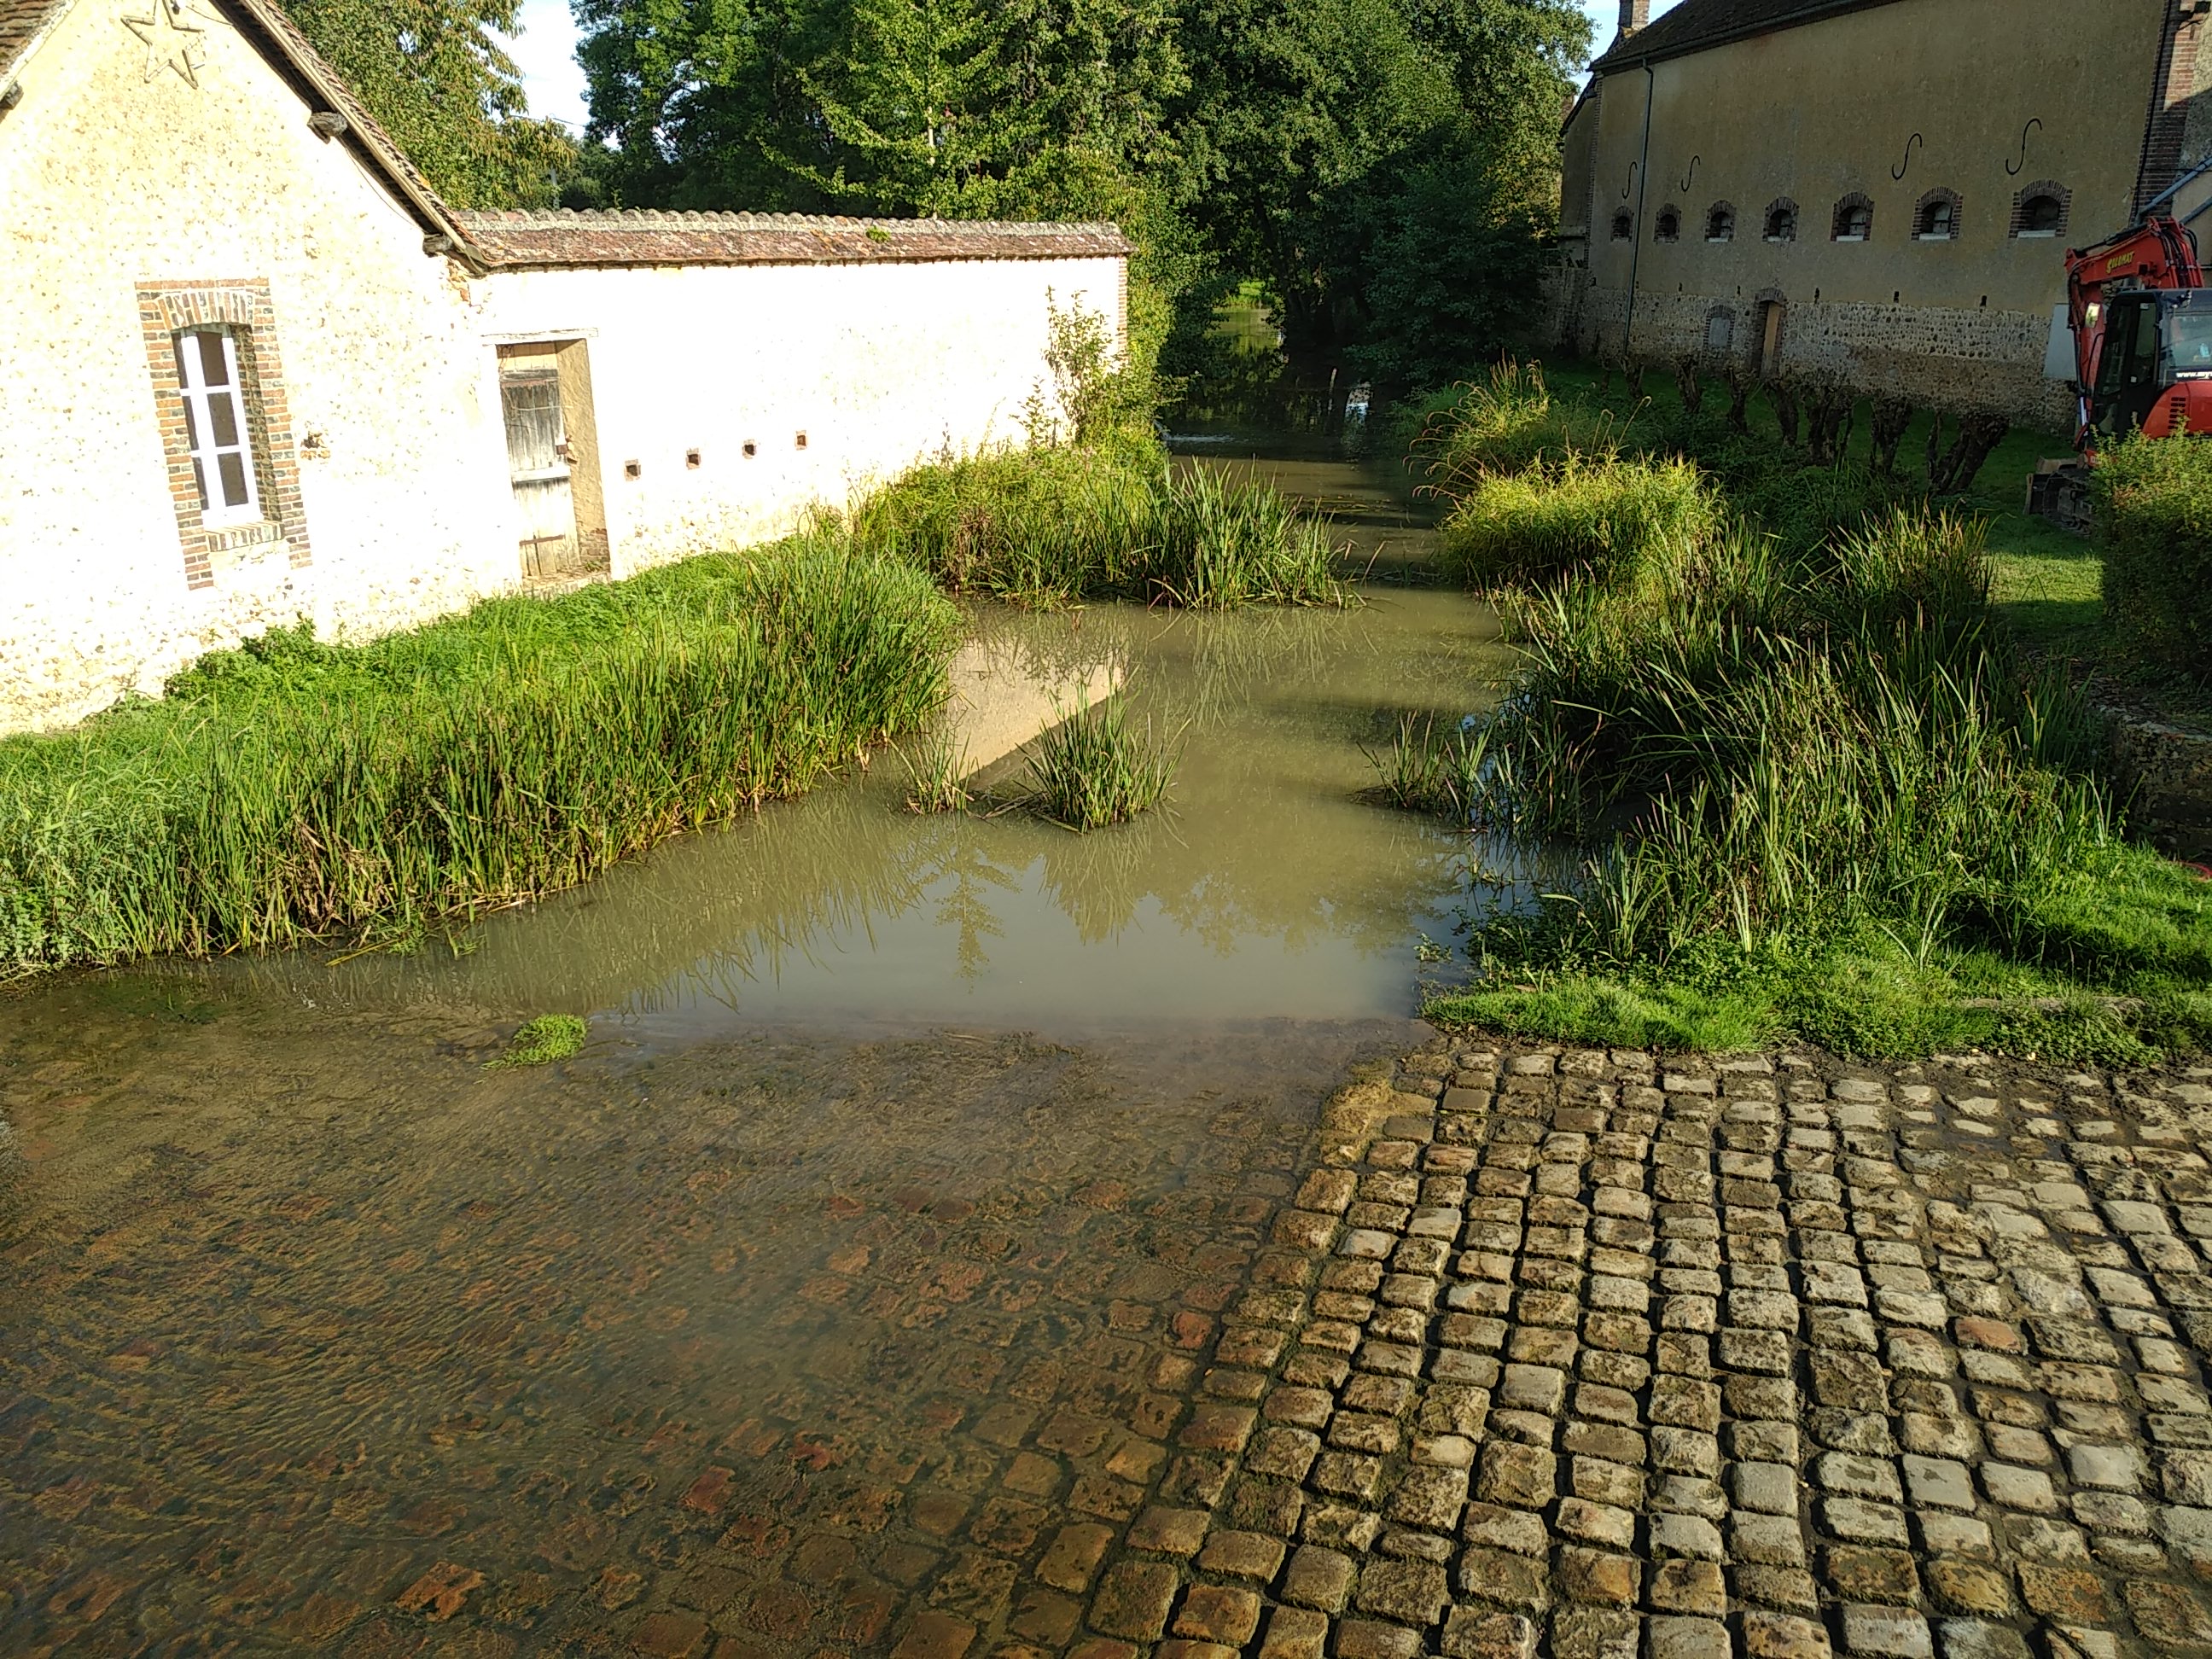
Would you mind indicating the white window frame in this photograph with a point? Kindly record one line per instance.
(201, 400)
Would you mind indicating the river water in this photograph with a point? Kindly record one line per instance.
(850, 1262)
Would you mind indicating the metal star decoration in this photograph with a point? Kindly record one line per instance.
(171, 42)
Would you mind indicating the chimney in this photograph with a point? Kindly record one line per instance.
(1634, 14)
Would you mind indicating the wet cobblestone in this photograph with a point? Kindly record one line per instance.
(1588, 1355)
(1520, 1352)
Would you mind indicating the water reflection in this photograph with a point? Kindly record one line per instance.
(1268, 888)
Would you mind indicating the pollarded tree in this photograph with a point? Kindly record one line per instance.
(433, 73)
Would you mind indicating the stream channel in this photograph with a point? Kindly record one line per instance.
(843, 1271)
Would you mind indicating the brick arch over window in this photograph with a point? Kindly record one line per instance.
(1720, 330)
(1780, 223)
(1853, 221)
(167, 310)
(1936, 215)
(1668, 227)
(1623, 226)
(2033, 205)
(1720, 222)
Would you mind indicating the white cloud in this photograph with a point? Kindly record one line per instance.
(544, 46)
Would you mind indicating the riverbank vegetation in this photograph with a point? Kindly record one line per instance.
(1094, 769)
(297, 790)
(1112, 520)
(1819, 788)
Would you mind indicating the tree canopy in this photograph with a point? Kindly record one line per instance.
(433, 73)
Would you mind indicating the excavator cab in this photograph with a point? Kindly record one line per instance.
(2154, 369)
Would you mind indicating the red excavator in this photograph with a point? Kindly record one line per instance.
(2142, 319)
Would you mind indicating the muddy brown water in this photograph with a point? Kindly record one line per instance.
(853, 1260)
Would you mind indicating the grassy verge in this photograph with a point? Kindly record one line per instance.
(1106, 521)
(297, 790)
(2046, 583)
(1819, 789)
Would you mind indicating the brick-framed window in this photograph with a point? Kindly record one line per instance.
(1623, 226)
(1854, 218)
(1720, 222)
(2042, 209)
(212, 354)
(1780, 224)
(1668, 226)
(1936, 215)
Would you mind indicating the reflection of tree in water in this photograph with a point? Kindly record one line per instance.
(967, 907)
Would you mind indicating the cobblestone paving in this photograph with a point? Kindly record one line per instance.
(787, 1352)
(1576, 1353)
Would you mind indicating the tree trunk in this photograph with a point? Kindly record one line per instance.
(1891, 416)
(1687, 383)
(1783, 396)
(1978, 435)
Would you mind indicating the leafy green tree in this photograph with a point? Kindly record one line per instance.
(433, 73)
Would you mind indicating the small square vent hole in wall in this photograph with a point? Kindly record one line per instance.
(633, 470)
(751, 449)
(801, 443)
(691, 460)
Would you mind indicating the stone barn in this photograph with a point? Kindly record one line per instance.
(260, 372)
(1877, 191)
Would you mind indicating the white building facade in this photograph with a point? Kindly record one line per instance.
(258, 373)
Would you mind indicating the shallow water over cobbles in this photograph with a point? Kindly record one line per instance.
(342, 1344)
(963, 1345)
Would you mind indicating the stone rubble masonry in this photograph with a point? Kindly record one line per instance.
(1590, 1355)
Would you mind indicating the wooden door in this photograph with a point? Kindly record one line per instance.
(538, 465)
(1770, 339)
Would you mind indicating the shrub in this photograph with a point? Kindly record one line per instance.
(1115, 521)
(2154, 518)
(1509, 423)
(1591, 517)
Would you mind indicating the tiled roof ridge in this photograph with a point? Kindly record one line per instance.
(1695, 25)
(643, 218)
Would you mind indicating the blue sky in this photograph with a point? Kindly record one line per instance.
(546, 47)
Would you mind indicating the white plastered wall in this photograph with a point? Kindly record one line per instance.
(879, 365)
(112, 178)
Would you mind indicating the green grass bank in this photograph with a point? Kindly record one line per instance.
(1817, 785)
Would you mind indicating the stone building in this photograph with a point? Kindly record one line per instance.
(1877, 190)
(258, 371)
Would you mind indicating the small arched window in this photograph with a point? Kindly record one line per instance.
(1781, 221)
(2041, 210)
(1719, 223)
(1854, 218)
(1623, 226)
(1668, 226)
(1935, 219)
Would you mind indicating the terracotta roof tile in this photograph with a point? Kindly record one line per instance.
(1695, 25)
(645, 237)
(19, 23)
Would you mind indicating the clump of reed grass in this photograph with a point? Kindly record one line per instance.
(936, 774)
(1094, 769)
(1595, 517)
(301, 789)
(1508, 423)
(1050, 526)
(544, 1041)
(1428, 770)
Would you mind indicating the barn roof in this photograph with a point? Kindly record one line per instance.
(1696, 25)
(636, 237)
